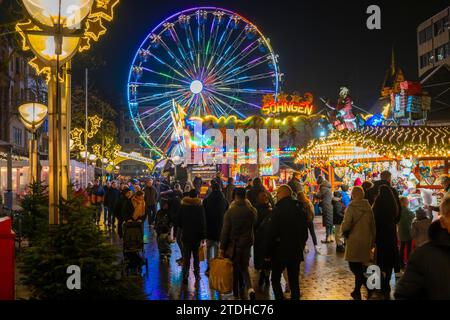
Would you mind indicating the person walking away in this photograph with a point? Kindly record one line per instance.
(385, 212)
(287, 240)
(229, 190)
(96, 196)
(338, 217)
(150, 196)
(296, 183)
(404, 231)
(111, 203)
(187, 189)
(366, 185)
(124, 209)
(427, 275)
(174, 208)
(198, 182)
(261, 231)
(249, 184)
(215, 206)
(106, 220)
(309, 208)
(237, 240)
(162, 228)
(385, 180)
(191, 219)
(345, 194)
(325, 197)
(219, 181)
(252, 194)
(419, 228)
(360, 230)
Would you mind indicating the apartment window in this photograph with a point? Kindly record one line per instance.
(127, 140)
(137, 140)
(426, 59)
(17, 136)
(425, 35)
(442, 52)
(440, 26)
(127, 129)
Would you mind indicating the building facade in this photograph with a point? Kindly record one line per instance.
(131, 143)
(433, 42)
(18, 84)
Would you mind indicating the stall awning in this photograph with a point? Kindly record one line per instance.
(372, 143)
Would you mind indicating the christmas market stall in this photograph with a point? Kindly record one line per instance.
(415, 155)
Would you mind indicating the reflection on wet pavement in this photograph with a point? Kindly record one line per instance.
(324, 276)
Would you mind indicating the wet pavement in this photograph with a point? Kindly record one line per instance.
(323, 276)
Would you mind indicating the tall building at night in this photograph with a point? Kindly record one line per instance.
(433, 42)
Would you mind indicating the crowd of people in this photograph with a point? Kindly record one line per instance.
(368, 222)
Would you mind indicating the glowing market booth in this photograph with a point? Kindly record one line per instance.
(415, 155)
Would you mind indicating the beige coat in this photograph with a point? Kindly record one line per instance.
(360, 223)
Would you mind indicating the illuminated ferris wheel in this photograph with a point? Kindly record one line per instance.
(209, 60)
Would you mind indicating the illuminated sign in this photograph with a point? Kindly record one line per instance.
(286, 104)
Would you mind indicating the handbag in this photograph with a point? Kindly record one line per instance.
(221, 275)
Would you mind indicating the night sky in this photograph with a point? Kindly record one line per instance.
(322, 44)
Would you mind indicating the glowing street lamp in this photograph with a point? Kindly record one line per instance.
(33, 116)
(71, 13)
(55, 32)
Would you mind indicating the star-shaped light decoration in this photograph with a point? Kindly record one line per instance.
(76, 135)
(103, 9)
(94, 29)
(96, 123)
(96, 148)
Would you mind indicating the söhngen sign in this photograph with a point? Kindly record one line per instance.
(278, 108)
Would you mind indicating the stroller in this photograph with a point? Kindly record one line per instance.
(133, 247)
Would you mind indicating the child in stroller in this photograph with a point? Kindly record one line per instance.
(162, 228)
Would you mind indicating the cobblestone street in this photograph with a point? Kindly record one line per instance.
(324, 276)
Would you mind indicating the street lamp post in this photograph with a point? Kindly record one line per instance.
(55, 43)
(32, 116)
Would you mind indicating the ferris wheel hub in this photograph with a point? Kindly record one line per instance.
(196, 87)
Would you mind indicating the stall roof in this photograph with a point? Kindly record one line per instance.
(379, 143)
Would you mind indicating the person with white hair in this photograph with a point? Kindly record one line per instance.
(427, 275)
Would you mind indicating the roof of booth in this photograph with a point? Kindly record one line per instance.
(379, 143)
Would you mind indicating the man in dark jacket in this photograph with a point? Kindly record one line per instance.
(237, 240)
(296, 183)
(372, 193)
(96, 195)
(427, 275)
(111, 198)
(191, 219)
(325, 196)
(198, 182)
(124, 209)
(215, 206)
(150, 197)
(288, 236)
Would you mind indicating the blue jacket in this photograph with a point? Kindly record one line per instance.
(345, 199)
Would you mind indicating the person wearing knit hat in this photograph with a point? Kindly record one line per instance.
(358, 182)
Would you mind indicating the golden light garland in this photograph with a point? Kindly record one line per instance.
(388, 142)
